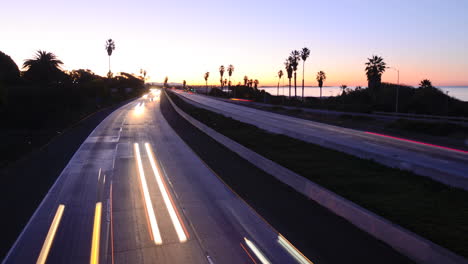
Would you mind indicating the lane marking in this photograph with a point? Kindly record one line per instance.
(99, 175)
(94, 259)
(149, 205)
(296, 254)
(176, 221)
(417, 142)
(248, 254)
(50, 235)
(256, 251)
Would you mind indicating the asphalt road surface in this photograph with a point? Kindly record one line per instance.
(443, 164)
(134, 192)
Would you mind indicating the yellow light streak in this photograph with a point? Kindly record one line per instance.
(50, 235)
(94, 259)
(165, 194)
(148, 204)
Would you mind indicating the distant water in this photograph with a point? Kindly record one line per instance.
(459, 92)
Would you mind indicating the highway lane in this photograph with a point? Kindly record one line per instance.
(446, 165)
(135, 193)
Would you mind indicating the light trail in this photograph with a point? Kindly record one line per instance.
(256, 251)
(94, 259)
(296, 254)
(417, 142)
(166, 197)
(148, 204)
(50, 235)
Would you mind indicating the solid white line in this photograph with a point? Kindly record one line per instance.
(149, 205)
(292, 250)
(172, 213)
(50, 235)
(256, 251)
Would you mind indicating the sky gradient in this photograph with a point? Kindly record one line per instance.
(184, 39)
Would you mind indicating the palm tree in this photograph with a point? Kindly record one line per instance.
(295, 58)
(165, 81)
(44, 67)
(256, 82)
(289, 71)
(230, 70)
(251, 81)
(425, 84)
(221, 73)
(280, 74)
(184, 83)
(305, 53)
(320, 78)
(207, 74)
(375, 67)
(110, 46)
(246, 80)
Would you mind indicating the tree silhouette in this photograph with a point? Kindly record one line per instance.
(305, 53)
(289, 71)
(9, 72)
(221, 73)
(343, 88)
(321, 77)
(280, 74)
(246, 80)
(184, 83)
(425, 84)
(295, 58)
(43, 68)
(206, 76)
(165, 81)
(375, 67)
(230, 70)
(256, 82)
(110, 47)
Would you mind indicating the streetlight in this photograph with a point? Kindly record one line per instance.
(398, 86)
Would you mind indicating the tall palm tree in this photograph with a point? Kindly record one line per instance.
(221, 73)
(256, 82)
(43, 68)
(110, 47)
(184, 83)
(305, 53)
(321, 77)
(295, 58)
(375, 67)
(280, 74)
(206, 76)
(230, 70)
(165, 81)
(246, 80)
(289, 71)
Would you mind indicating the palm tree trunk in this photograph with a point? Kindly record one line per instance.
(320, 92)
(289, 87)
(109, 63)
(277, 90)
(295, 84)
(303, 67)
(206, 87)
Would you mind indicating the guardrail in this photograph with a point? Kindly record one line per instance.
(451, 118)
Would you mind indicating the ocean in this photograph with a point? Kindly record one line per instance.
(459, 92)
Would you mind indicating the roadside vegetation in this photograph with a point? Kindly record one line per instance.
(41, 100)
(428, 208)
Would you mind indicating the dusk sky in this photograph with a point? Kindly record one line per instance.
(184, 39)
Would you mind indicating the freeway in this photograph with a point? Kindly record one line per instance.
(446, 165)
(134, 192)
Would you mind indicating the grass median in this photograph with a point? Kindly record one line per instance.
(428, 208)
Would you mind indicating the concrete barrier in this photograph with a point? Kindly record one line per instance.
(404, 241)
